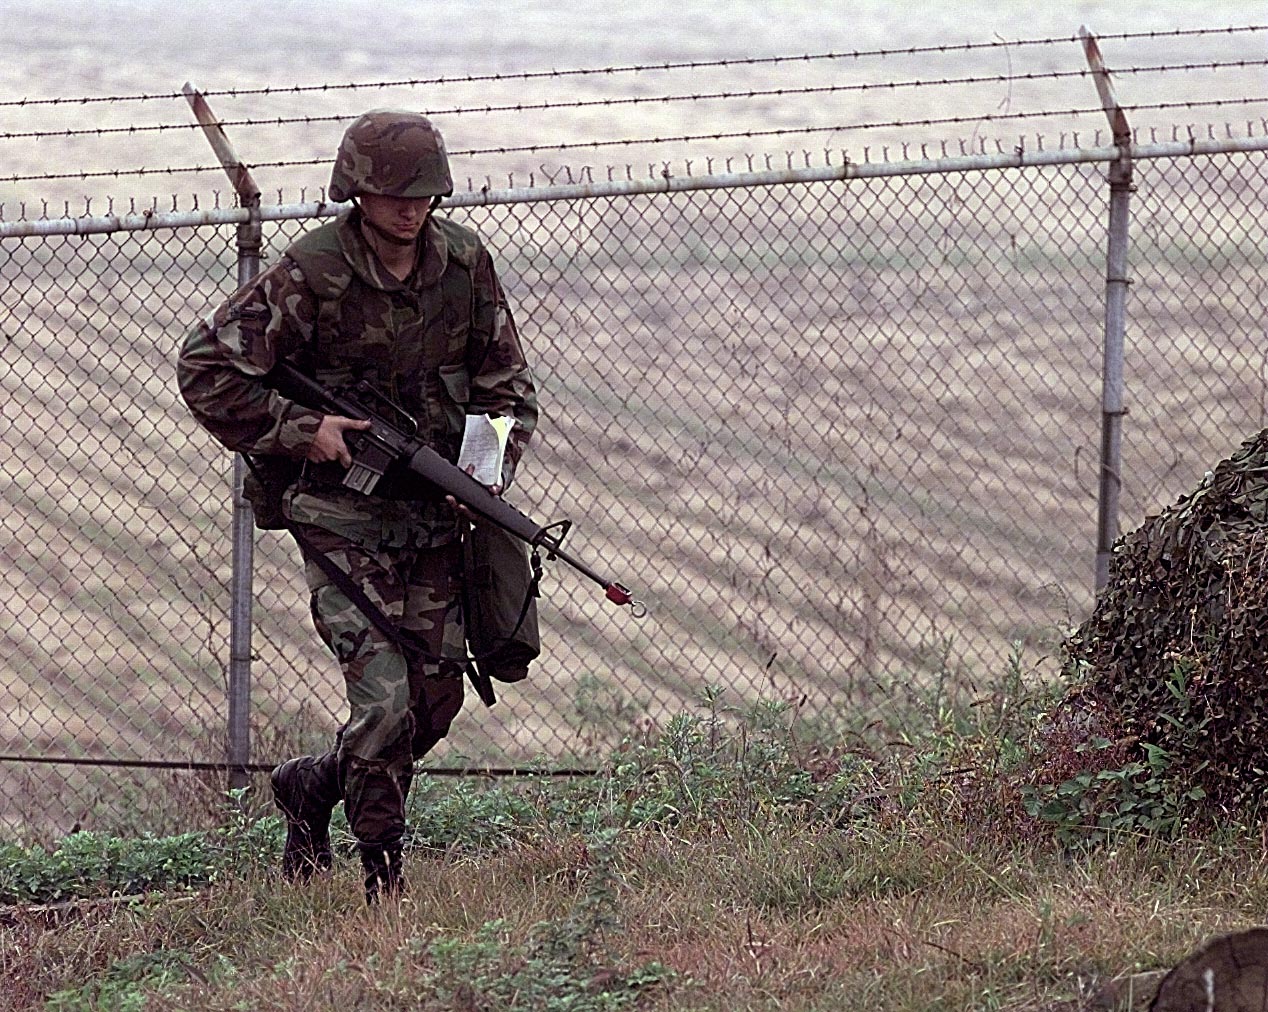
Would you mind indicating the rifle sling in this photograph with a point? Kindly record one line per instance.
(402, 638)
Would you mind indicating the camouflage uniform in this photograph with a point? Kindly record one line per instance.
(441, 344)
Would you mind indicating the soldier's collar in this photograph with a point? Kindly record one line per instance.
(432, 260)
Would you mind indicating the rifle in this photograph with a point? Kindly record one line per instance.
(394, 440)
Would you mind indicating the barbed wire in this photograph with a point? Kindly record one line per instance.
(631, 142)
(661, 170)
(633, 68)
(521, 107)
(872, 125)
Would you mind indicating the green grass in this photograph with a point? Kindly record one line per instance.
(727, 861)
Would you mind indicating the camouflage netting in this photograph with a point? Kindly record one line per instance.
(1176, 650)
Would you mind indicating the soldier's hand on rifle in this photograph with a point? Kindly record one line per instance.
(328, 444)
(460, 509)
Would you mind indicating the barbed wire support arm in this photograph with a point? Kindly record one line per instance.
(241, 592)
(1116, 283)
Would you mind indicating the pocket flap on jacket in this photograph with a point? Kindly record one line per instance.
(457, 382)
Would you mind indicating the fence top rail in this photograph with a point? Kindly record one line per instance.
(151, 220)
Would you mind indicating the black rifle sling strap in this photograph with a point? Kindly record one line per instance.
(402, 638)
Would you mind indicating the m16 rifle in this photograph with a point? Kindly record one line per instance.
(392, 439)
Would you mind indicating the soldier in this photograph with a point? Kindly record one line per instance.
(409, 302)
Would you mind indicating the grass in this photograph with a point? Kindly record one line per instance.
(727, 860)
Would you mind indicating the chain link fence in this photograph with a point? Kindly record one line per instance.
(841, 436)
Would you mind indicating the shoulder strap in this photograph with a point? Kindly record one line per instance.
(327, 274)
(398, 635)
(465, 249)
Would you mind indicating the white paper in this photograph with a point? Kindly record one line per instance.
(484, 446)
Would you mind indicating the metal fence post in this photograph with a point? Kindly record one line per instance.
(1116, 282)
(241, 591)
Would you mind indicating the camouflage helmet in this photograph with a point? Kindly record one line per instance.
(391, 153)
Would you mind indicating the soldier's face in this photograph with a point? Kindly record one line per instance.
(402, 217)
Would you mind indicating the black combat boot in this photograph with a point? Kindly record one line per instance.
(382, 866)
(306, 791)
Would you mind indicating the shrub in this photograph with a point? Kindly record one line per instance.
(1173, 656)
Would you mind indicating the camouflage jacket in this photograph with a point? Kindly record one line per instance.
(442, 343)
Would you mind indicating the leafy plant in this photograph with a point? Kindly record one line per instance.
(90, 864)
(126, 985)
(1098, 805)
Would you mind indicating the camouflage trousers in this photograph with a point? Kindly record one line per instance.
(402, 698)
